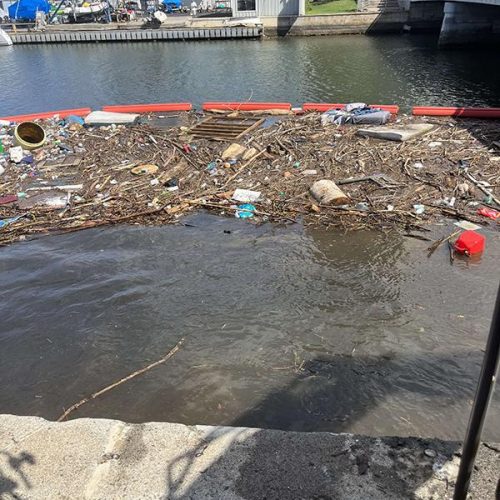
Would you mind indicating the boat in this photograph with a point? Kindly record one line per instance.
(5, 39)
(86, 9)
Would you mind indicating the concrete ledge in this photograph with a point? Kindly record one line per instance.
(108, 459)
(333, 24)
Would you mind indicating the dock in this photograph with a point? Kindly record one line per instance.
(135, 35)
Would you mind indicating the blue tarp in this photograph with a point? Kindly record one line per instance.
(26, 9)
(173, 4)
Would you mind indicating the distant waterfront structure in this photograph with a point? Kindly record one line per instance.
(271, 8)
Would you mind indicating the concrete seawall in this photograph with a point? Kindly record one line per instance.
(108, 459)
(335, 24)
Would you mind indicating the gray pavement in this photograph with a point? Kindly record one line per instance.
(108, 459)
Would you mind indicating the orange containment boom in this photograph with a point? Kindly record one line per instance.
(460, 112)
(63, 113)
(149, 108)
(246, 106)
(322, 107)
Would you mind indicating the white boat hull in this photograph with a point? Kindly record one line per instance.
(5, 39)
(84, 11)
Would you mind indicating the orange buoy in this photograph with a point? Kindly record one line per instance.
(322, 107)
(48, 114)
(245, 106)
(149, 108)
(454, 111)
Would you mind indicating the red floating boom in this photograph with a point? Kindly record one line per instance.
(149, 108)
(48, 114)
(459, 112)
(245, 106)
(322, 107)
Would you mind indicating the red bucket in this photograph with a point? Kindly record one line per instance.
(470, 242)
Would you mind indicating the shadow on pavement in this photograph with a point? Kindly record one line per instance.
(327, 394)
(13, 476)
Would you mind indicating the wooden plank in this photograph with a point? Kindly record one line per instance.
(69, 161)
(209, 133)
(210, 126)
(236, 123)
(217, 138)
(255, 125)
(219, 129)
(234, 118)
(232, 126)
(216, 131)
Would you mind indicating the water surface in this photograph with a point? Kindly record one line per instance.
(405, 70)
(284, 327)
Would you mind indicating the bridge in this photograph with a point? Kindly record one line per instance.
(468, 21)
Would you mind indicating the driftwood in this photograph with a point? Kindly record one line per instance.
(95, 395)
(432, 248)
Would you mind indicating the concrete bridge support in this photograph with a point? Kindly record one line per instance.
(470, 23)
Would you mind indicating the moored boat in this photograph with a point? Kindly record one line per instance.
(5, 39)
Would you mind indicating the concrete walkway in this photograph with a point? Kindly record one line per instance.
(107, 459)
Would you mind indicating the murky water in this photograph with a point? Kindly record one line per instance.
(404, 70)
(286, 328)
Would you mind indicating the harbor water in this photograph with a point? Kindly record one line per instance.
(285, 327)
(404, 70)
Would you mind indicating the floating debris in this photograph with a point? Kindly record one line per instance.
(153, 175)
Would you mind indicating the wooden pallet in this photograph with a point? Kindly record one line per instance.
(225, 128)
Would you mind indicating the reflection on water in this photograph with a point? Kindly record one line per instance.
(285, 327)
(405, 70)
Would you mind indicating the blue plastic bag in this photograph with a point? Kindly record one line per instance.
(245, 211)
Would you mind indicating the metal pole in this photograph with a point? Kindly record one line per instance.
(480, 407)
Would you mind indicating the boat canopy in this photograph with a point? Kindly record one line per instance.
(27, 9)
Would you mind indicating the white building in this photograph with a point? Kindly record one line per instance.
(273, 8)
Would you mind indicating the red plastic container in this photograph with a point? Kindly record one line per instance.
(470, 242)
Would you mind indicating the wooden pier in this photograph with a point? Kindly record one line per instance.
(135, 35)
